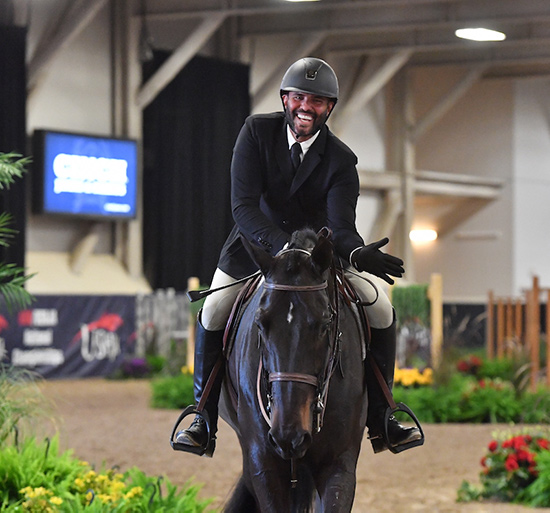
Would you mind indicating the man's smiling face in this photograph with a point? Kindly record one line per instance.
(306, 113)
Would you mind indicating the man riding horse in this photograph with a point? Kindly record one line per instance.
(289, 171)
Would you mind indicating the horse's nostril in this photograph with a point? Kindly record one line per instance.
(302, 443)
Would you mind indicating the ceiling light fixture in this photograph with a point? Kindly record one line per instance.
(422, 235)
(480, 34)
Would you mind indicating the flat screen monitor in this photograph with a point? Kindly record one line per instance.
(80, 175)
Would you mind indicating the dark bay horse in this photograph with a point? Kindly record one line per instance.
(295, 388)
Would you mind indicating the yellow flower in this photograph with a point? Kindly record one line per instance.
(136, 491)
(56, 500)
(89, 497)
(105, 498)
(412, 377)
(117, 486)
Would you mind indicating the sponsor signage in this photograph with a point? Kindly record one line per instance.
(69, 336)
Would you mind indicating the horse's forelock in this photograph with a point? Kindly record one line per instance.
(303, 239)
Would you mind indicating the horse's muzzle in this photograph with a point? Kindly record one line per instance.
(290, 444)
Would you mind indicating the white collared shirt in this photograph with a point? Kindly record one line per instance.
(305, 144)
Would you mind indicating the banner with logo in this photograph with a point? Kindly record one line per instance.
(69, 336)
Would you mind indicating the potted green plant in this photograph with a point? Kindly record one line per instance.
(12, 277)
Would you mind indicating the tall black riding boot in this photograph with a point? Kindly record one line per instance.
(208, 349)
(383, 349)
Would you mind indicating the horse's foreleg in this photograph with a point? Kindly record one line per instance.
(241, 500)
(336, 486)
(269, 478)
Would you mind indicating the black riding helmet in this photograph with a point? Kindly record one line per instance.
(313, 76)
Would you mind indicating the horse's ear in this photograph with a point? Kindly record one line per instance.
(262, 259)
(322, 254)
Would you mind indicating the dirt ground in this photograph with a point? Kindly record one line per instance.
(110, 422)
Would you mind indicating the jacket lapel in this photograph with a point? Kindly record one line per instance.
(311, 161)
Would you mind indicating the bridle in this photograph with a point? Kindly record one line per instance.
(320, 383)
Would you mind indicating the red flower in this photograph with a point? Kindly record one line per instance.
(511, 463)
(463, 366)
(493, 446)
(484, 461)
(521, 442)
(476, 361)
(543, 443)
(523, 455)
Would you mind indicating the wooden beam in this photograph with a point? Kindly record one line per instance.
(177, 61)
(370, 83)
(456, 216)
(435, 295)
(58, 36)
(439, 110)
(446, 184)
(308, 46)
(388, 216)
(457, 189)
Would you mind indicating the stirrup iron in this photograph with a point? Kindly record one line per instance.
(400, 407)
(208, 450)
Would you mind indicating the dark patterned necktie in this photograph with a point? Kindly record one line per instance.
(295, 155)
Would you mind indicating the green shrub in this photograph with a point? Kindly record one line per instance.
(537, 494)
(411, 303)
(37, 478)
(490, 401)
(173, 392)
(433, 404)
(463, 398)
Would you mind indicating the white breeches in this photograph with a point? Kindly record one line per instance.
(217, 306)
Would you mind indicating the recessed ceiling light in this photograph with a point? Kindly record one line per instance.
(480, 34)
(422, 235)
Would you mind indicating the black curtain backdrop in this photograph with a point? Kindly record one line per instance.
(13, 96)
(188, 135)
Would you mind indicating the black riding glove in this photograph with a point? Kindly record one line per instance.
(370, 259)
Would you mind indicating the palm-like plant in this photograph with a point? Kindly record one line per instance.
(12, 278)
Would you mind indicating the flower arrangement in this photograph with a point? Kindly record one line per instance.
(413, 377)
(513, 469)
(469, 365)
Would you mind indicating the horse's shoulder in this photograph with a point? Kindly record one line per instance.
(244, 298)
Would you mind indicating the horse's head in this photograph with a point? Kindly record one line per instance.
(295, 323)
